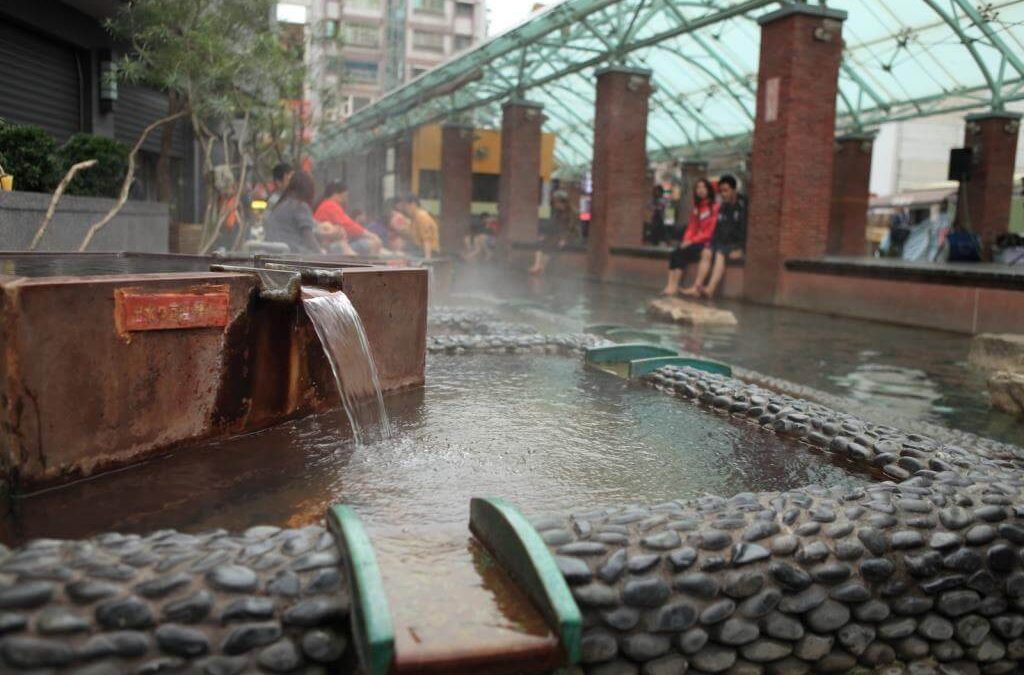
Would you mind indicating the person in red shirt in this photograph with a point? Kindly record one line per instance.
(341, 226)
(695, 245)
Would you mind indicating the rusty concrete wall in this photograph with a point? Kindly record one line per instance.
(81, 395)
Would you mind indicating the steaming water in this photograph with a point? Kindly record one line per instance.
(341, 333)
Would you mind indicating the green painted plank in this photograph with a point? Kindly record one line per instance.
(625, 335)
(627, 352)
(641, 367)
(371, 617)
(519, 549)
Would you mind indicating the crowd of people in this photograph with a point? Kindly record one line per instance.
(319, 226)
(714, 234)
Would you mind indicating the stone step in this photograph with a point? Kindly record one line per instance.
(691, 313)
(998, 351)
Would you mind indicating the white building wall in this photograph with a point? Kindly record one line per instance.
(914, 154)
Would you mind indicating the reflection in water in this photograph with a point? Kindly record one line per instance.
(543, 432)
(812, 349)
(341, 333)
(908, 389)
(449, 598)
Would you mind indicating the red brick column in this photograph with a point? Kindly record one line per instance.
(620, 163)
(456, 185)
(992, 137)
(791, 172)
(519, 183)
(851, 187)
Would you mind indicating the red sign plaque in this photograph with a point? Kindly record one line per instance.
(135, 310)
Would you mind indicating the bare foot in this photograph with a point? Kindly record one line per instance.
(669, 291)
(691, 292)
(706, 293)
(535, 271)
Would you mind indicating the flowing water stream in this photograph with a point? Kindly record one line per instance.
(344, 340)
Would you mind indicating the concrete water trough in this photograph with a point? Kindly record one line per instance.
(110, 359)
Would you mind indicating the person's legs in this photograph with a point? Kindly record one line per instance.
(540, 261)
(672, 285)
(717, 272)
(702, 272)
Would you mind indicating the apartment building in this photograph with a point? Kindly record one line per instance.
(383, 44)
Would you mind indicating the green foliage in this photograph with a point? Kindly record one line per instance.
(220, 55)
(102, 180)
(29, 157)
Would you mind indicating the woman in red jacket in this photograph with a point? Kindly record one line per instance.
(697, 237)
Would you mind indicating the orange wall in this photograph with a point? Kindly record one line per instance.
(426, 152)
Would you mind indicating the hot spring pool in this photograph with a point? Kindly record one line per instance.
(544, 432)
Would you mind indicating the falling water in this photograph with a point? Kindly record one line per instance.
(341, 333)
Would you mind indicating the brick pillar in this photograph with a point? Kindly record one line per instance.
(620, 163)
(456, 184)
(992, 137)
(403, 165)
(519, 183)
(791, 172)
(851, 186)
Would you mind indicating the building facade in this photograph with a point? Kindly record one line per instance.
(383, 44)
(53, 55)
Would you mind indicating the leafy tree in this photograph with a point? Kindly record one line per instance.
(226, 69)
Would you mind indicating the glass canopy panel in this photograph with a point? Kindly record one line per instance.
(901, 60)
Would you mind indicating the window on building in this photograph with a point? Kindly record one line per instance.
(362, 71)
(463, 42)
(330, 28)
(361, 34)
(430, 184)
(428, 42)
(363, 4)
(428, 6)
(485, 187)
(464, 10)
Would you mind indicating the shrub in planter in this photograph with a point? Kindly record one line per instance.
(102, 180)
(30, 157)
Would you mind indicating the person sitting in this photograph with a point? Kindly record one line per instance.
(282, 174)
(332, 210)
(694, 246)
(399, 228)
(557, 233)
(423, 227)
(728, 241)
(291, 219)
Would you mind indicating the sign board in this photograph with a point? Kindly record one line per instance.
(771, 99)
(137, 310)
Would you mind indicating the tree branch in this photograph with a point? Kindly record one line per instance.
(129, 176)
(57, 194)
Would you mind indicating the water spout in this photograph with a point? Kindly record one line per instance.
(344, 341)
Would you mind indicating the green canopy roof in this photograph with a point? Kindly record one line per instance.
(902, 59)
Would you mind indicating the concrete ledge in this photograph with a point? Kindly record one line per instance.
(981, 275)
(140, 226)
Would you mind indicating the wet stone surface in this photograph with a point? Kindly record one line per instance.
(174, 602)
(920, 572)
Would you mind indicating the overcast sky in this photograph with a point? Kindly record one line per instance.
(503, 14)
